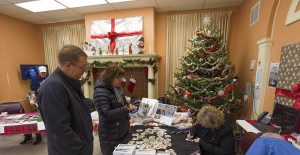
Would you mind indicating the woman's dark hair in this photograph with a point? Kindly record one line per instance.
(110, 72)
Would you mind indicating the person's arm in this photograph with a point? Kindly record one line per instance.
(193, 131)
(225, 147)
(34, 84)
(54, 105)
(102, 103)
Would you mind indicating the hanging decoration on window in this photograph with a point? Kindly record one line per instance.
(117, 33)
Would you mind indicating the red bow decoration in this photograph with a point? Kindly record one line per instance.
(293, 94)
(112, 36)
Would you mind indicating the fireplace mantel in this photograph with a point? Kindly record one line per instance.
(120, 58)
(152, 89)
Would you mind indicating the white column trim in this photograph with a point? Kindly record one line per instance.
(263, 61)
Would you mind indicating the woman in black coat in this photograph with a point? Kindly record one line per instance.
(113, 109)
(216, 135)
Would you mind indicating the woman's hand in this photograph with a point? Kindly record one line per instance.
(189, 137)
(131, 107)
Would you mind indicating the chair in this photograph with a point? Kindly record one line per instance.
(247, 140)
(11, 107)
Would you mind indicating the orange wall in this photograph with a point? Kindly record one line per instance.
(20, 43)
(244, 44)
(246, 37)
(282, 35)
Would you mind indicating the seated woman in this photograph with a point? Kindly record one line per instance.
(216, 135)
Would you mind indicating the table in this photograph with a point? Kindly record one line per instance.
(179, 144)
(20, 124)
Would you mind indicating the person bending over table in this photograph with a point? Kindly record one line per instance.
(113, 109)
(216, 134)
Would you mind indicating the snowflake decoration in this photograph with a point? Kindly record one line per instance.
(206, 21)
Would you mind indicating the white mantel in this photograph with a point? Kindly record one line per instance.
(152, 89)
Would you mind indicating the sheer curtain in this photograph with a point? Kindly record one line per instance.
(56, 37)
(181, 28)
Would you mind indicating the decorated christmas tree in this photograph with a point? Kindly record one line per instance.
(206, 75)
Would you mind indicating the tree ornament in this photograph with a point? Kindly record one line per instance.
(221, 93)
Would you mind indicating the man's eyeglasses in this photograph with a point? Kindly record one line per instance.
(82, 67)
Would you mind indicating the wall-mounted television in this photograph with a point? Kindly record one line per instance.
(29, 71)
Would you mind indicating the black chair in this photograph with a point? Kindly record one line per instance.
(11, 107)
(247, 140)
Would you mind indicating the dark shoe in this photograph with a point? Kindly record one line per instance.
(37, 141)
(27, 138)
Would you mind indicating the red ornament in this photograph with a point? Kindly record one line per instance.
(193, 75)
(188, 93)
(176, 90)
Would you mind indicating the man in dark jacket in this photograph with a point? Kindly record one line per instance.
(63, 108)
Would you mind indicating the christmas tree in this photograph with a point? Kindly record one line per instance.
(206, 75)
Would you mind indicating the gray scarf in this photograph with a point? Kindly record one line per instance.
(119, 93)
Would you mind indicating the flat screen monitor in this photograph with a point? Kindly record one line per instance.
(29, 71)
(288, 118)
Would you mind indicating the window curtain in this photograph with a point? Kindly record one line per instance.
(180, 29)
(56, 37)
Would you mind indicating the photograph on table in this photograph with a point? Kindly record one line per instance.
(165, 113)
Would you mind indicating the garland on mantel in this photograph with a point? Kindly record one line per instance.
(98, 64)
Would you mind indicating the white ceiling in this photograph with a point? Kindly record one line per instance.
(7, 7)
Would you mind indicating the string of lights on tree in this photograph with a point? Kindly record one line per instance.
(206, 75)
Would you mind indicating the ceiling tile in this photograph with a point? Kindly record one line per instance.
(47, 21)
(222, 5)
(2, 2)
(186, 8)
(17, 1)
(178, 3)
(30, 17)
(68, 19)
(222, 1)
(94, 8)
(64, 13)
(7, 7)
(134, 4)
(12, 9)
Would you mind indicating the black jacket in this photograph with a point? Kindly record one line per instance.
(215, 142)
(113, 117)
(35, 82)
(66, 116)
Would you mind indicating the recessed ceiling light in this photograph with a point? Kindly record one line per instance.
(41, 5)
(80, 3)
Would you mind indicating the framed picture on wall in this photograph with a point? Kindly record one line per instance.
(273, 76)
